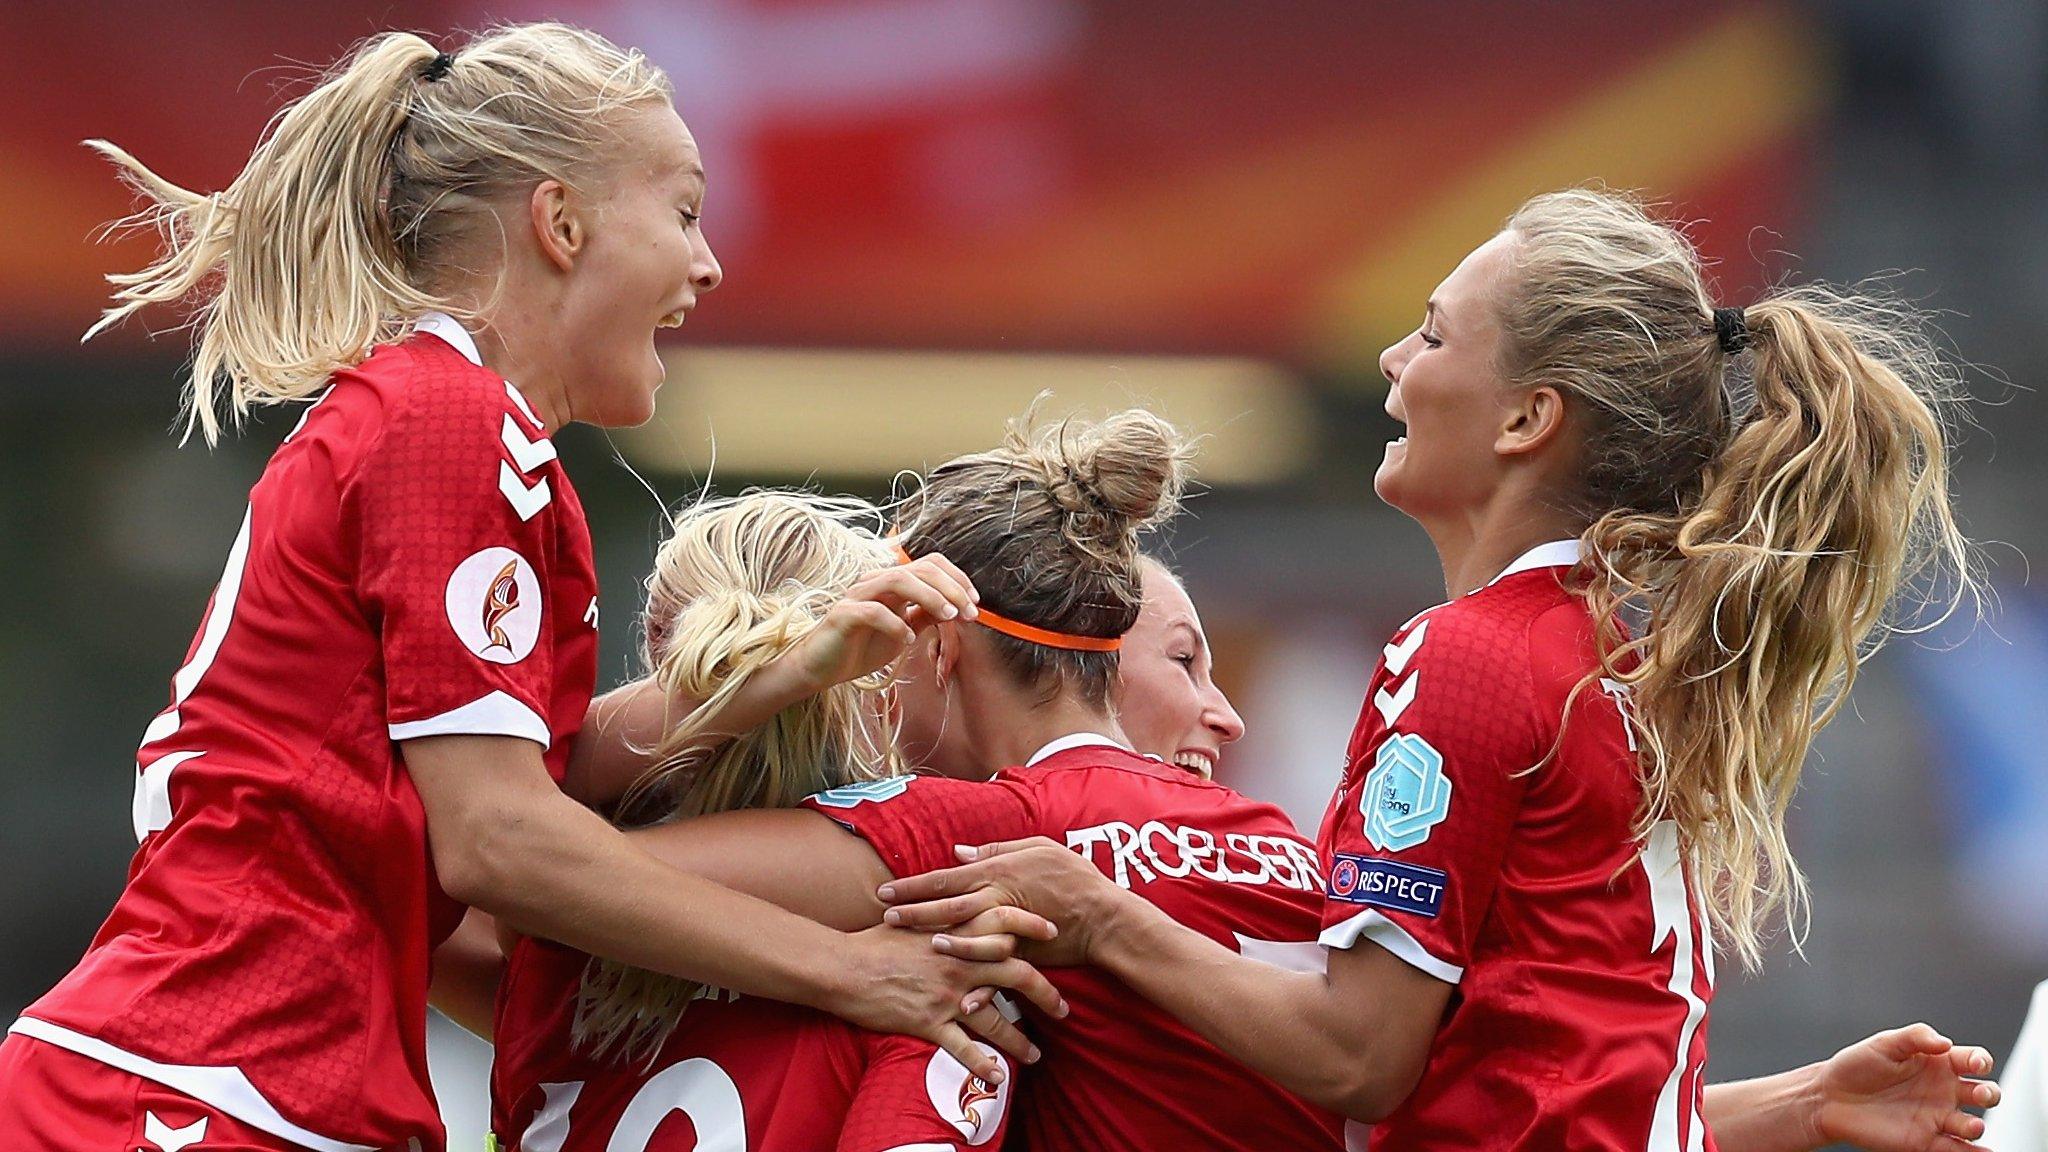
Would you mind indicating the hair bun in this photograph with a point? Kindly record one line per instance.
(1113, 478)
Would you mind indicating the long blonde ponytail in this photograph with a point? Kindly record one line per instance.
(359, 197)
(1761, 488)
(738, 583)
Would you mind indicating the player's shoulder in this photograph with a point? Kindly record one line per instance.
(1472, 671)
(425, 393)
(418, 417)
(444, 391)
(1100, 776)
(1501, 624)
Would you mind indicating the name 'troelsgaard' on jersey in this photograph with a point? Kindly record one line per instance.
(1120, 1073)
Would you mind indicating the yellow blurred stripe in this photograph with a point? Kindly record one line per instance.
(1710, 101)
(792, 413)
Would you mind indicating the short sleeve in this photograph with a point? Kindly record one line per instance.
(915, 1098)
(1431, 795)
(913, 822)
(454, 523)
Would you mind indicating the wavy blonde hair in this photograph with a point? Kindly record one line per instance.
(739, 582)
(1769, 512)
(361, 196)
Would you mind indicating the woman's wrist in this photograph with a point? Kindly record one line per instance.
(787, 680)
(1815, 1115)
(1807, 1088)
(1781, 1112)
(834, 984)
(1121, 927)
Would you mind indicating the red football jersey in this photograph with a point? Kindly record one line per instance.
(1120, 1073)
(738, 1074)
(1582, 967)
(413, 562)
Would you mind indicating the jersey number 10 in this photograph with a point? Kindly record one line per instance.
(697, 1088)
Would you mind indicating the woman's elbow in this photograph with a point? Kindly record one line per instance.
(483, 862)
(1367, 1104)
(1369, 1092)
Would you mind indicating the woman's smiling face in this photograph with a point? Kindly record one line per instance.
(1445, 387)
(1167, 703)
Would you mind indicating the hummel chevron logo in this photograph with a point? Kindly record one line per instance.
(1399, 654)
(172, 1139)
(1392, 704)
(520, 402)
(525, 501)
(528, 454)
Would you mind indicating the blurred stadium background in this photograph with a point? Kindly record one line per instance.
(929, 210)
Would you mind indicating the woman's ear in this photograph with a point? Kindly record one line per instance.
(944, 639)
(557, 223)
(1530, 421)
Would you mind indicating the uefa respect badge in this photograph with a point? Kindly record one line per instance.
(1406, 794)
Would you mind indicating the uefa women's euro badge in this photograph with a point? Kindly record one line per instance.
(1406, 794)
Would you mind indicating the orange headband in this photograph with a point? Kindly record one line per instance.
(1032, 634)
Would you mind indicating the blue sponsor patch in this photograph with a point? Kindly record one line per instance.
(1388, 884)
(867, 791)
(1406, 795)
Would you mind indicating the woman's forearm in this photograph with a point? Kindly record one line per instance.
(1777, 1113)
(792, 858)
(566, 875)
(622, 728)
(505, 840)
(1293, 1027)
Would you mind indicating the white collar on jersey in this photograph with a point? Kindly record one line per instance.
(451, 330)
(1070, 741)
(1556, 554)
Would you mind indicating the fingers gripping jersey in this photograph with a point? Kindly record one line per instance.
(1582, 968)
(413, 562)
(738, 1074)
(1119, 1073)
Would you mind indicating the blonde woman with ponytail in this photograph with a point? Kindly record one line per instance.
(1547, 820)
(444, 255)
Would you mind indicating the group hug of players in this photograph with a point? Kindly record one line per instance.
(904, 790)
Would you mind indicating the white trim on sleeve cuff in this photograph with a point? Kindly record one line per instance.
(224, 1088)
(924, 1148)
(498, 714)
(1384, 932)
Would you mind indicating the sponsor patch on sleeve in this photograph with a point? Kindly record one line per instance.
(865, 792)
(1406, 795)
(1388, 884)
